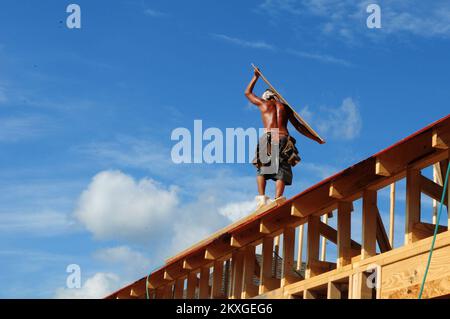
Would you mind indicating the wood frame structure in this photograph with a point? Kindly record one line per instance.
(395, 273)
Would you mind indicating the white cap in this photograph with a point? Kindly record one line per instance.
(268, 94)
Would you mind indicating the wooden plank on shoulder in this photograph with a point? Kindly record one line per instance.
(297, 116)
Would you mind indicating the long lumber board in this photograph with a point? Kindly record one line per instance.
(297, 116)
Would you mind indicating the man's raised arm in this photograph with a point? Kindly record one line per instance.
(249, 91)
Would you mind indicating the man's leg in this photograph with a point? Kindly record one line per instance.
(279, 188)
(261, 199)
(261, 182)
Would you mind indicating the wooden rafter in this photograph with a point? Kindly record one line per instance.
(432, 189)
(382, 237)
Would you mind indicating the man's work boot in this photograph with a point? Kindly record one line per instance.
(261, 200)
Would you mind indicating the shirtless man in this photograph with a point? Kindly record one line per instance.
(275, 117)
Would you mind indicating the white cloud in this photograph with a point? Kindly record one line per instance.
(426, 19)
(199, 217)
(342, 123)
(202, 216)
(108, 206)
(346, 19)
(237, 210)
(186, 234)
(319, 57)
(115, 206)
(133, 262)
(96, 287)
(244, 43)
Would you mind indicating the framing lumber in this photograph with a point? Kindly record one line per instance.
(270, 225)
(195, 261)
(344, 234)
(300, 247)
(178, 289)
(436, 179)
(216, 290)
(156, 281)
(249, 290)
(266, 281)
(203, 289)
(441, 137)
(288, 276)
(323, 243)
(237, 266)
(276, 251)
(350, 182)
(312, 245)
(159, 293)
(424, 230)
(192, 280)
(363, 290)
(381, 235)
(395, 159)
(276, 247)
(403, 159)
(295, 211)
(412, 215)
(402, 275)
(174, 272)
(307, 294)
(138, 288)
(333, 291)
(335, 193)
(320, 266)
(443, 165)
(392, 214)
(432, 189)
(433, 289)
(215, 251)
(369, 224)
(246, 236)
(227, 278)
(331, 234)
(380, 168)
(167, 291)
(448, 188)
(392, 279)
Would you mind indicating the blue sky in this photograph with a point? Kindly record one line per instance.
(86, 117)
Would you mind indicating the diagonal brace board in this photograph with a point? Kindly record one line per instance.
(299, 118)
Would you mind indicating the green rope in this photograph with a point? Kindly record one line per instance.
(435, 231)
(146, 287)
